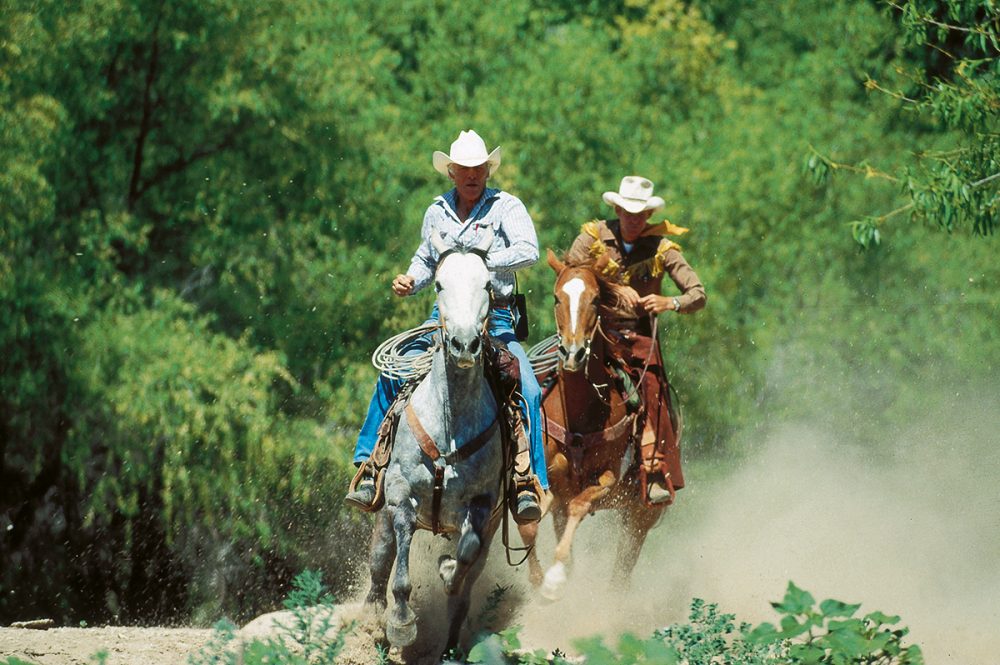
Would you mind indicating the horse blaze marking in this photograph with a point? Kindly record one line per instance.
(573, 288)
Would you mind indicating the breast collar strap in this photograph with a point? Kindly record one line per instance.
(441, 461)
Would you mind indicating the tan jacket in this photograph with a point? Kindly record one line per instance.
(652, 257)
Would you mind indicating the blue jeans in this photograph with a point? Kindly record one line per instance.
(501, 326)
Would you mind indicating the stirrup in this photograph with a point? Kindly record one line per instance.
(657, 488)
(365, 491)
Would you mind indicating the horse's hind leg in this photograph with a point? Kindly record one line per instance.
(638, 520)
(383, 552)
(401, 624)
(460, 573)
(453, 569)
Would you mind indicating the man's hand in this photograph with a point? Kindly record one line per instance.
(402, 285)
(628, 296)
(655, 304)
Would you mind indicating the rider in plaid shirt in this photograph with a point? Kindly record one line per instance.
(461, 216)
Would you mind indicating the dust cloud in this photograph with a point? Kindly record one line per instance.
(909, 525)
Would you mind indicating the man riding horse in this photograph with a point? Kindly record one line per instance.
(463, 216)
(640, 256)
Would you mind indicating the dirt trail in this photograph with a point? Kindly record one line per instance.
(915, 533)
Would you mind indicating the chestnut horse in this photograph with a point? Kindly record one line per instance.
(591, 433)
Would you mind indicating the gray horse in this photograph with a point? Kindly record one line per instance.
(454, 411)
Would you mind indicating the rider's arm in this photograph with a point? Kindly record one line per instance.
(692, 297)
(522, 246)
(425, 258)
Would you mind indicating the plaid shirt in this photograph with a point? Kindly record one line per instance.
(515, 244)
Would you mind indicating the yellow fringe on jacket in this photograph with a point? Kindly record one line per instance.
(655, 266)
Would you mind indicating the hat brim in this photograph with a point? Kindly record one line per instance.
(442, 161)
(633, 205)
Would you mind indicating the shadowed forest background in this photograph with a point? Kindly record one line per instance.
(202, 205)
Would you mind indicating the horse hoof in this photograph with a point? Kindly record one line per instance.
(554, 583)
(446, 569)
(401, 634)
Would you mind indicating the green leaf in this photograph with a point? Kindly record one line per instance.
(796, 601)
(836, 608)
(487, 650)
(878, 618)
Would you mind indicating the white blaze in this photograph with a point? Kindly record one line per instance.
(573, 288)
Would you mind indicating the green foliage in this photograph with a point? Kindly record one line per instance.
(950, 77)
(807, 634)
(310, 640)
(713, 637)
(830, 633)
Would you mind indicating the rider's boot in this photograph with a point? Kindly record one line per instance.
(658, 487)
(362, 490)
(526, 504)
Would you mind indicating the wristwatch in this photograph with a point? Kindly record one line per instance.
(677, 304)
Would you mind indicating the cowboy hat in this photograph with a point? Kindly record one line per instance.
(635, 194)
(469, 149)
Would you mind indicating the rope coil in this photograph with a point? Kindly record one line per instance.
(544, 356)
(390, 357)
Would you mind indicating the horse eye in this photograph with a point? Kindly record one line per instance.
(437, 286)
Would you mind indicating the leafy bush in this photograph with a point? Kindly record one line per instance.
(808, 635)
(308, 640)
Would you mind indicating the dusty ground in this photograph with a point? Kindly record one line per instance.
(917, 535)
(124, 646)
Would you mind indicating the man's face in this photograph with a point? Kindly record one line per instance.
(632, 223)
(470, 181)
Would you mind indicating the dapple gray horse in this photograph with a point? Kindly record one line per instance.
(453, 405)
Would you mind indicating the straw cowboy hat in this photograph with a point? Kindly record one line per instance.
(469, 149)
(635, 194)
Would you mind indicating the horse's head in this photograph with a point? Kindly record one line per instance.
(462, 282)
(578, 296)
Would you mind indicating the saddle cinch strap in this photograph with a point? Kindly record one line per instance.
(575, 444)
(441, 461)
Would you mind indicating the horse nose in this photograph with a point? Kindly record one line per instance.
(579, 355)
(464, 349)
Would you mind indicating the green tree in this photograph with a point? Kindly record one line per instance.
(949, 80)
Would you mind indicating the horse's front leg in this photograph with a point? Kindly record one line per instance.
(401, 625)
(579, 507)
(529, 533)
(383, 552)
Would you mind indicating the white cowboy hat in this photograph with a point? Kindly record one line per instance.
(635, 194)
(469, 149)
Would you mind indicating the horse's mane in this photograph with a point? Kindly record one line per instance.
(611, 302)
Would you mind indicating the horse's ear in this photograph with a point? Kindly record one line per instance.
(554, 262)
(438, 242)
(484, 245)
(602, 262)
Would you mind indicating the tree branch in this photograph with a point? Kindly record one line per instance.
(977, 30)
(147, 113)
(167, 170)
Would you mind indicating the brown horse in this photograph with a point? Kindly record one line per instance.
(591, 432)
